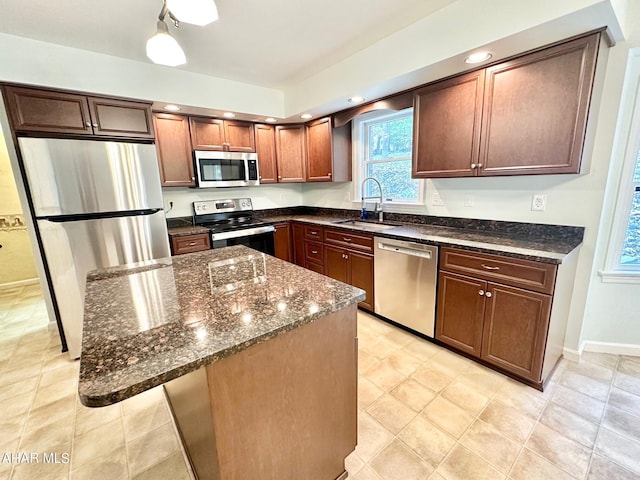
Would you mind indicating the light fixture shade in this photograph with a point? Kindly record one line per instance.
(163, 49)
(195, 12)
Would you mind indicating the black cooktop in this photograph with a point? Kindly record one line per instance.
(230, 223)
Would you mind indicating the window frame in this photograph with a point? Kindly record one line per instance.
(360, 147)
(614, 271)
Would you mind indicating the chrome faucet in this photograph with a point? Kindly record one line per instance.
(378, 204)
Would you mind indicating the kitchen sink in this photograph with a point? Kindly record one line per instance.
(378, 227)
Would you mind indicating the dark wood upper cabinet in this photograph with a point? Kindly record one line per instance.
(218, 134)
(447, 117)
(319, 151)
(51, 111)
(174, 150)
(524, 116)
(266, 150)
(290, 153)
(121, 118)
(535, 112)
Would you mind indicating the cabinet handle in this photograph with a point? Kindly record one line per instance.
(279, 177)
(346, 256)
(193, 244)
(315, 252)
(479, 165)
(488, 294)
(346, 239)
(314, 232)
(88, 124)
(488, 267)
(329, 174)
(95, 125)
(473, 165)
(480, 292)
(193, 179)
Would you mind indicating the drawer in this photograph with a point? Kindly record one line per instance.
(536, 276)
(345, 238)
(315, 267)
(313, 252)
(190, 243)
(313, 232)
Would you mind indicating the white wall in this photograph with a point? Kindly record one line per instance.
(262, 196)
(29, 61)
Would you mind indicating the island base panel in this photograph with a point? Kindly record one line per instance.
(282, 409)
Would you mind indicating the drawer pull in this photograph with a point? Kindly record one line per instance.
(481, 292)
(193, 244)
(314, 232)
(488, 267)
(347, 239)
(315, 252)
(488, 294)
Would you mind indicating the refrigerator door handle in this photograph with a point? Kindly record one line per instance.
(79, 217)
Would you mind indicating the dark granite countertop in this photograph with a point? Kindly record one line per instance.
(187, 230)
(534, 247)
(151, 322)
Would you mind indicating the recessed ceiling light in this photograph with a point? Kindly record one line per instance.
(306, 116)
(229, 114)
(172, 108)
(270, 120)
(356, 99)
(478, 57)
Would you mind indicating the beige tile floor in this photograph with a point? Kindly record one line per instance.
(424, 413)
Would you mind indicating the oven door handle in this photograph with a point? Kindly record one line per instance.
(245, 232)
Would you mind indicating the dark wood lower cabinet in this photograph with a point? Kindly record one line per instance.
(503, 325)
(460, 312)
(282, 241)
(515, 329)
(352, 267)
(297, 234)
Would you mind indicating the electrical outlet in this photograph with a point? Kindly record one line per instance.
(539, 202)
(436, 199)
(468, 200)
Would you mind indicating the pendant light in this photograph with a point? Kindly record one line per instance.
(163, 49)
(195, 12)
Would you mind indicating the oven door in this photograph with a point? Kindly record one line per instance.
(260, 238)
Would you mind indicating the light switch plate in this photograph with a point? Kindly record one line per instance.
(468, 200)
(539, 202)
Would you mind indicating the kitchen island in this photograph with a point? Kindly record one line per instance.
(258, 358)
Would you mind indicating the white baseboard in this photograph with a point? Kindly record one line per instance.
(19, 283)
(613, 348)
(573, 355)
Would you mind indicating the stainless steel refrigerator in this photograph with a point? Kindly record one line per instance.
(97, 204)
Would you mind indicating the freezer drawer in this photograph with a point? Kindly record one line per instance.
(73, 248)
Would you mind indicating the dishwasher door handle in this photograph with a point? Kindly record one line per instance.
(405, 250)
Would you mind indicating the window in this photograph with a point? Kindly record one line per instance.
(622, 263)
(630, 256)
(384, 152)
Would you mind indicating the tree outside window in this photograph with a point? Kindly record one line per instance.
(631, 247)
(386, 145)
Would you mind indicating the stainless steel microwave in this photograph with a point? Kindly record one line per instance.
(226, 169)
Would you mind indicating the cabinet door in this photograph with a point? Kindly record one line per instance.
(361, 275)
(174, 150)
(535, 110)
(297, 232)
(515, 330)
(290, 153)
(266, 150)
(239, 136)
(319, 151)
(207, 133)
(34, 110)
(282, 241)
(120, 118)
(460, 311)
(336, 264)
(446, 127)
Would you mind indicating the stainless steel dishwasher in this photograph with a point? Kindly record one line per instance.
(405, 283)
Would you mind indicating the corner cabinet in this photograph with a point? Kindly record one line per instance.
(498, 309)
(328, 151)
(37, 110)
(174, 150)
(524, 116)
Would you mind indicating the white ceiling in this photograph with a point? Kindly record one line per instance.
(262, 42)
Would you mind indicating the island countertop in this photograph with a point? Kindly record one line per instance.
(151, 322)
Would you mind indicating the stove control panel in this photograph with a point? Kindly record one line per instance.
(207, 207)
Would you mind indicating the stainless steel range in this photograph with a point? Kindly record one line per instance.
(231, 222)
